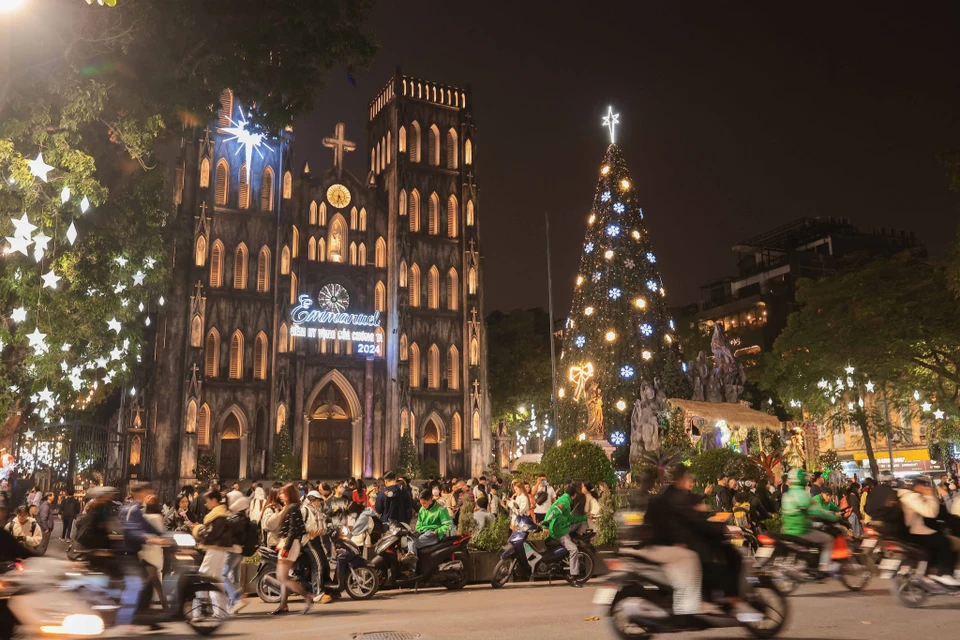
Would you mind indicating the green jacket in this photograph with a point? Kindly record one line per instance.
(559, 517)
(829, 506)
(436, 518)
(799, 509)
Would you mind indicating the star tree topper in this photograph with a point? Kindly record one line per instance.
(611, 120)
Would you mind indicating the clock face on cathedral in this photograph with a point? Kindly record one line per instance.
(338, 195)
(333, 297)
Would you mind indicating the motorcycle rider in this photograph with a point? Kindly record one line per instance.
(559, 519)
(921, 502)
(137, 532)
(679, 522)
(433, 523)
(799, 510)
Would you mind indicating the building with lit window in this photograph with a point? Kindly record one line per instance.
(347, 310)
(754, 304)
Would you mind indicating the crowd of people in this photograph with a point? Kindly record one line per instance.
(690, 530)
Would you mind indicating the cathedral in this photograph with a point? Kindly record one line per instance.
(344, 310)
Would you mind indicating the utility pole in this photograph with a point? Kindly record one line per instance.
(553, 350)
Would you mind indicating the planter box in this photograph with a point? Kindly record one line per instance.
(482, 564)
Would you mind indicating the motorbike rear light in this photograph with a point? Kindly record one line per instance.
(616, 565)
(870, 531)
(765, 540)
(19, 566)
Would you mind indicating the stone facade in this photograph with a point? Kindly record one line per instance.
(235, 362)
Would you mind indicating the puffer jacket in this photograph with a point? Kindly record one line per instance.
(916, 507)
(560, 517)
(270, 525)
(215, 532)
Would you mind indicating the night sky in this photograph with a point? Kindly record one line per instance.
(737, 117)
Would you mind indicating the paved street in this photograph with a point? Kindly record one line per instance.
(541, 612)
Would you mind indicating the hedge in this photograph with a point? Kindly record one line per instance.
(577, 460)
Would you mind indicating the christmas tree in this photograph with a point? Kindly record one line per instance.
(618, 334)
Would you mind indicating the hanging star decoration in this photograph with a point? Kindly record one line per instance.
(19, 315)
(114, 325)
(138, 278)
(28, 434)
(870, 386)
(38, 341)
(18, 244)
(938, 414)
(23, 227)
(65, 195)
(611, 120)
(579, 377)
(248, 141)
(849, 370)
(84, 205)
(39, 168)
(40, 242)
(926, 406)
(50, 280)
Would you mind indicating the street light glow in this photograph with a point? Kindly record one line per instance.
(9, 6)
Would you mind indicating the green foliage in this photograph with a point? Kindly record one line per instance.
(773, 524)
(107, 92)
(606, 522)
(430, 467)
(712, 464)
(828, 460)
(493, 536)
(576, 460)
(285, 463)
(659, 462)
(206, 467)
(673, 434)
(466, 524)
(518, 365)
(408, 464)
(597, 309)
(529, 471)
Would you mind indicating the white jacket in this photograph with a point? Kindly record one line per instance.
(916, 507)
(30, 532)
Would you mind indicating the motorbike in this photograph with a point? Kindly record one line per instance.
(268, 586)
(905, 565)
(443, 564)
(357, 576)
(636, 603)
(56, 597)
(791, 561)
(548, 559)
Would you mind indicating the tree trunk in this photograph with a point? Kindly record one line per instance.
(868, 446)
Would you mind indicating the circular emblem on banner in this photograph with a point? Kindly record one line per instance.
(333, 297)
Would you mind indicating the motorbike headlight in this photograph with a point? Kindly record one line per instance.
(184, 540)
(345, 530)
(76, 625)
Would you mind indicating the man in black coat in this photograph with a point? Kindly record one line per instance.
(393, 502)
(69, 510)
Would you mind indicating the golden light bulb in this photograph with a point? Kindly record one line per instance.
(608, 254)
(647, 355)
(663, 292)
(640, 303)
(668, 338)
(636, 234)
(579, 280)
(588, 311)
(611, 336)
(605, 170)
(621, 405)
(625, 184)
(561, 392)
(592, 218)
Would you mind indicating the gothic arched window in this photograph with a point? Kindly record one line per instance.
(225, 114)
(311, 249)
(285, 260)
(287, 186)
(453, 150)
(362, 254)
(200, 255)
(404, 347)
(236, 355)
(283, 338)
(203, 426)
(380, 254)
(313, 212)
(191, 421)
(266, 190)
(433, 288)
(402, 140)
(222, 186)
(453, 290)
(433, 146)
(403, 274)
(211, 355)
(453, 217)
(433, 367)
(260, 357)
(433, 215)
(204, 173)
(243, 191)
(196, 331)
(474, 352)
(414, 210)
(240, 267)
(470, 213)
(413, 143)
(216, 264)
(263, 270)
(413, 282)
(453, 368)
(380, 298)
(414, 365)
(476, 424)
(402, 203)
(472, 281)
(468, 152)
(456, 433)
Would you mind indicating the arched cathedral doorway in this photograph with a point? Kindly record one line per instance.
(329, 449)
(230, 442)
(431, 442)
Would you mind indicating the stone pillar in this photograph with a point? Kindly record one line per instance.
(368, 421)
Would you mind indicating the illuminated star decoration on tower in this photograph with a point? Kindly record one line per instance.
(611, 120)
(247, 140)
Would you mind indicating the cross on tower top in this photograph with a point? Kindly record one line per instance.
(473, 314)
(339, 144)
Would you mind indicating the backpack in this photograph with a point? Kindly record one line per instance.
(845, 508)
